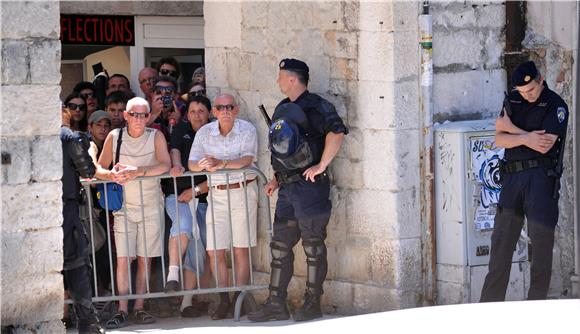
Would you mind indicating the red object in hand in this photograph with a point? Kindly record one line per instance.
(172, 121)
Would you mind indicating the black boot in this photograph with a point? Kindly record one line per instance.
(317, 266)
(311, 308)
(275, 308)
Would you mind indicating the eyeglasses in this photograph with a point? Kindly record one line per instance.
(138, 115)
(87, 95)
(228, 107)
(149, 80)
(162, 89)
(168, 72)
(196, 93)
(74, 106)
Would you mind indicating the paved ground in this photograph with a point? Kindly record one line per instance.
(530, 317)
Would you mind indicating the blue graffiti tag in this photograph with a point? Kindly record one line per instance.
(489, 178)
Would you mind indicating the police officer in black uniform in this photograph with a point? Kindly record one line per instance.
(530, 175)
(305, 135)
(76, 268)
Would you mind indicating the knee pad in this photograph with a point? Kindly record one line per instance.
(314, 248)
(280, 251)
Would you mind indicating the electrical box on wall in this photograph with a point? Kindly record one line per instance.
(467, 188)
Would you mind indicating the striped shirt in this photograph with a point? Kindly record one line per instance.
(241, 141)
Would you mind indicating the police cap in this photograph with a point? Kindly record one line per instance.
(291, 64)
(524, 74)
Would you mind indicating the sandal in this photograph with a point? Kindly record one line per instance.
(119, 320)
(190, 312)
(142, 318)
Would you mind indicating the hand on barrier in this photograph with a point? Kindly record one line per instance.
(185, 196)
(176, 171)
(210, 163)
(271, 186)
(124, 173)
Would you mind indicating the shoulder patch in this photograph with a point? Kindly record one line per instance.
(561, 113)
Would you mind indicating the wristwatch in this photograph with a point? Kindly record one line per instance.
(197, 190)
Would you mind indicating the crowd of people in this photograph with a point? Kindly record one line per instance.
(169, 132)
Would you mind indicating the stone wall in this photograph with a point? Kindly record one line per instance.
(468, 43)
(551, 42)
(364, 59)
(146, 8)
(32, 288)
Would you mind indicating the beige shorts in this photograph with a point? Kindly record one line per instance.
(138, 233)
(218, 201)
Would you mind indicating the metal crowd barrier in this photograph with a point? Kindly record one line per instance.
(87, 214)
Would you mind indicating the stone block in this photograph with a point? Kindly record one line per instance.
(32, 253)
(352, 145)
(453, 15)
(369, 298)
(376, 16)
(255, 14)
(45, 62)
(338, 87)
(387, 106)
(284, 43)
(311, 42)
(290, 15)
(215, 63)
(239, 71)
(343, 68)
(18, 171)
(352, 15)
(406, 55)
(255, 40)
(491, 16)
(341, 44)
(338, 297)
(329, 15)
(264, 73)
(347, 174)
(408, 268)
(31, 206)
(319, 73)
(376, 60)
(356, 266)
(53, 326)
(15, 58)
(46, 159)
(494, 43)
(30, 19)
(218, 34)
(34, 110)
(406, 15)
(463, 47)
(41, 300)
(468, 95)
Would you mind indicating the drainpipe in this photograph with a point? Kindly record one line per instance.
(426, 155)
(575, 162)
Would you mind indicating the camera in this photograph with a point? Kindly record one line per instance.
(167, 101)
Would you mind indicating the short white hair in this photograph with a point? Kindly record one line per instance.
(137, 101)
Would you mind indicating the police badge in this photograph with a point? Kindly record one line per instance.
(561, 113)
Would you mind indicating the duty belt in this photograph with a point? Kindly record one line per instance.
(285, 179)
(508, 167)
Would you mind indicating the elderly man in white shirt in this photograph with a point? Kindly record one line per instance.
(228, 143)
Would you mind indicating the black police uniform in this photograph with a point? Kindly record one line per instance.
(528, 182)
(303, 207)
(76, 267)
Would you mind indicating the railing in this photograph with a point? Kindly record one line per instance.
(210, 219)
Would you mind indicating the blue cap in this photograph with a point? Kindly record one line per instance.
(524, 74)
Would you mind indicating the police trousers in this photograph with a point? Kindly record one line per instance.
(76, 270)
(527, 195)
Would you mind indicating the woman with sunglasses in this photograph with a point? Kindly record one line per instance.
(88, 92)
(77, 107)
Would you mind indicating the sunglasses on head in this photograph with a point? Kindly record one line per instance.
(74, 106)
(138, 115)
(228, 107)
(162, 89)
(196, 93)
(87, 95)
(168, 72)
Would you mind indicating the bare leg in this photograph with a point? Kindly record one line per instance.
(242, 262)
(123, 282)
(141, 283)
(174, 248)
(222, 269)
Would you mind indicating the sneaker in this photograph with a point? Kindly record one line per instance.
(272, 309)
(310, 310)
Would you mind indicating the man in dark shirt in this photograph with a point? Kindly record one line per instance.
(303, 206)
(532, 137)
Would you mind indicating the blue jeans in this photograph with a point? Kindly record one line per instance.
(196, 248)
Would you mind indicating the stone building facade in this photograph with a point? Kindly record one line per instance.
(364, 57)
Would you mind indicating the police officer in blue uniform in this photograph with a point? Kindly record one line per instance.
(532, 136)
(305, 135)
(76, 268)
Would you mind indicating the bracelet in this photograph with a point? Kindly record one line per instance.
(197, 190)
(225, 163)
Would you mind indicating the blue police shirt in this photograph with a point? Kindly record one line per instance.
(549, 113)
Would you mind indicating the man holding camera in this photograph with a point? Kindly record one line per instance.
(166, 108)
